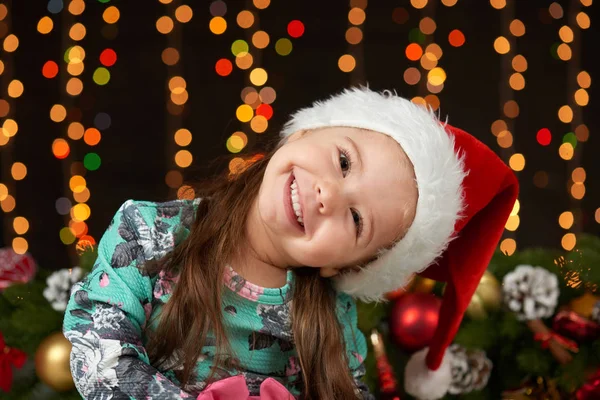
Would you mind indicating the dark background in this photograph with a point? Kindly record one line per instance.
(136, 150)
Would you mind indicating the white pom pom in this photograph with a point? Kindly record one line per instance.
(423, 383)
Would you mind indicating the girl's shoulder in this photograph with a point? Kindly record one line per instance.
(156, 226)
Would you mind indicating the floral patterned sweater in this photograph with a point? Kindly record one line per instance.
(108, 311)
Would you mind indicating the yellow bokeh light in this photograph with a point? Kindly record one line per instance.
(508, 246)
(356, 16)
(512, 224)
(449, 3)
(77, 183)
(10, 127)
(578, 175)
(565, 220)
(236, 142)
(519, 63)
(260, 39)
(186, 192)
(15, 88)
(517, 27)
(58, 113)
(498, 4)
(556, 10)
(183, 137)
(259, 124)
(244, 113)
(427, 25)
(568, 241)
(516, 207)
(564, 52)
(74, 86)
(20, 245)
(75, 68)
(8, 204)
(517, 162)
(597, 215)
(582, 133)
(177, 84)
(566, 34)
(3, 192)
(505, 139)
(428, 62)
(45, 25)
(261, 4)
(244, 60)
(184, 14)
(76, 54)
(80, 212)
(183, 158)
(20, 225)
(164, 24)
(586, 3)
(83, 196)
(581, 97)
(565, 151)
(245, 19)
(436, 76)
(418, 4)
(179, 98)
(77, 31)
(217, 25)
(584, 79)
(498, 126)
(77, 7)
(517, 81)
(434, 49)
(354, 35)
(11, 43)
(583, 20)
(565, 114)
(18, 171)
(75, 130)
(111, 15)
(258, 76)
(346, 63)
(578, 191)
(501, 45)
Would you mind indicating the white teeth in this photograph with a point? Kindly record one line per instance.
(296, 202)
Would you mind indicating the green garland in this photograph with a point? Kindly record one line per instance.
(507, 342)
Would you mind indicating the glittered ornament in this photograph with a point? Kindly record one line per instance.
(574, 326)
(52, 362)
(487, 297)
(15, 268)
(413, 319)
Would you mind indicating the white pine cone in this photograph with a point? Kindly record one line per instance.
(471, 370)
(59, 286)
(530, 292)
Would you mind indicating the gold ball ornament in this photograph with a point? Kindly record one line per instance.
(52, 362)
(487, 297)
(583, 305)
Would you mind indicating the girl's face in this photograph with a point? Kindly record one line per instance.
(354, 191)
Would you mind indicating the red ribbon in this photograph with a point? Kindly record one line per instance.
(9, 357)
(546, 337)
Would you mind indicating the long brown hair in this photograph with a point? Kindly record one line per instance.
(194, 308)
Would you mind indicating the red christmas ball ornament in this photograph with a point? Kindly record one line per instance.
(15, 268)
(413, 320)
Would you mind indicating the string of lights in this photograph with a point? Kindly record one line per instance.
(12, 171)
(177, 96)
(353, 61)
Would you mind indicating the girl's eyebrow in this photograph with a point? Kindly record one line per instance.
(355, 148)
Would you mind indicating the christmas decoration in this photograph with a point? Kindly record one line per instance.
(596, 312)
(557, 344)
(15, 268)
(487, 297)
(52, 362)
(584, 305)
(413, 320)
(59, 287)
(9, 358)
(590, 390)
(531, 292)
(574, 326)
(470, 370)
(539, 389)
(388, 387)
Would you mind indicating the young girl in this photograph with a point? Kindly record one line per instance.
(249, 285)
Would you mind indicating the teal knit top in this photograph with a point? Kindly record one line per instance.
(109, 309)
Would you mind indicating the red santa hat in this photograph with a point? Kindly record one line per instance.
(465, 195)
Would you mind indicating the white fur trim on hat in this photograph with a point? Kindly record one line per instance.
(438, 169)
(423, 383)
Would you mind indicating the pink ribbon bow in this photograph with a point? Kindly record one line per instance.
(235, 388)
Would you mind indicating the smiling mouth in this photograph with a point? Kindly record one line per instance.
(293, 194)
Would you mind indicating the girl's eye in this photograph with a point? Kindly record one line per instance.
(345, 162)
(357, 221)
